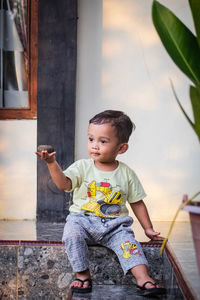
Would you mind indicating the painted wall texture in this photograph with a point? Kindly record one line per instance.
(121, 65)
(17, 169)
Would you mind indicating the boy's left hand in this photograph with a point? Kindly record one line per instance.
(153, 235)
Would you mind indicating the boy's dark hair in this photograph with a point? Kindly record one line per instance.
(123, 124)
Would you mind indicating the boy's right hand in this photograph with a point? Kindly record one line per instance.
(48, 157)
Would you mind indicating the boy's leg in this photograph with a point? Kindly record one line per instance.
(130, 254)
(127, 249)
(75, 239)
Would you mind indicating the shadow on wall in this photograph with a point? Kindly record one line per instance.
(135, 78)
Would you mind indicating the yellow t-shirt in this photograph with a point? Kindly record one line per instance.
(103, 193)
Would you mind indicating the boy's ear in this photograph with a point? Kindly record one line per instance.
(123, 148)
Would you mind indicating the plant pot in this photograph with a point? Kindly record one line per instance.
(194, 212)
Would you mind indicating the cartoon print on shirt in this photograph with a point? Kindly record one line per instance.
(129, 249)
(109, 205)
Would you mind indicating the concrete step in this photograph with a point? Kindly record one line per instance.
(122, 292)
(110, 292)
(41, 270)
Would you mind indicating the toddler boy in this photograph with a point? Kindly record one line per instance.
(101, 188)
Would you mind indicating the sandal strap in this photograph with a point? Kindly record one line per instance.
(143, 286)
(77, 279)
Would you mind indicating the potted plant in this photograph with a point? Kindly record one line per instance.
(184, 49)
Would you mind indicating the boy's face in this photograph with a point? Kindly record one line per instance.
(103, 144)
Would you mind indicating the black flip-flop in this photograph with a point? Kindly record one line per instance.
(143, 291)
(81, 289)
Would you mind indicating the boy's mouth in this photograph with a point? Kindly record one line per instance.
(95, 153)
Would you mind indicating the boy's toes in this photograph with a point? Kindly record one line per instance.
(150, 285)
(150, 289)
(77, 283)
(81, 286)
(86, 284)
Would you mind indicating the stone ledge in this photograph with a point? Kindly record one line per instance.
(38, 271)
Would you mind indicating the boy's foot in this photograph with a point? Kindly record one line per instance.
(145, 284)
(150, 289)
(85, 286)
(82, 283)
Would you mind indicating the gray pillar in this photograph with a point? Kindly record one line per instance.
(57, 47)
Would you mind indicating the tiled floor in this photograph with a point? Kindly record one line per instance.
(180, 241)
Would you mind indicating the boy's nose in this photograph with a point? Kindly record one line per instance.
(95, 146)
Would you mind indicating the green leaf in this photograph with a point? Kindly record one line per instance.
(181, 107)
(179, 41)
(195, 9)
(195, 101)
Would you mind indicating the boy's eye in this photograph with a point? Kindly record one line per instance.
(91, 139)
(103, 141)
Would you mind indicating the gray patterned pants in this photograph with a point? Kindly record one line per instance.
(81, 230)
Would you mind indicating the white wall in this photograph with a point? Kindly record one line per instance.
(123, 65)
(17, 169)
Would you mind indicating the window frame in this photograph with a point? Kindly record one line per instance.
(31, 111)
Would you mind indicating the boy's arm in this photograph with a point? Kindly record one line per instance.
(141, 212)
(61, 181)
